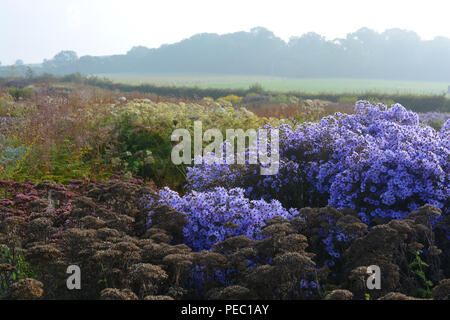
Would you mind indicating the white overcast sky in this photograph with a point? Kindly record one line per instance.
(32, 30)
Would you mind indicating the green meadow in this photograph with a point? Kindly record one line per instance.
(310, 85)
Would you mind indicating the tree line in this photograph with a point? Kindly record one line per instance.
(392, 54)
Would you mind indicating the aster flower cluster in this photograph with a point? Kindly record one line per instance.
(219, 214)
(379, 161)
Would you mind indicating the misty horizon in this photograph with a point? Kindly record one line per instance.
(287, 42)
(395, 54)
(37, 30)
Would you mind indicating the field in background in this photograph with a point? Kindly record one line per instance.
(316, 85)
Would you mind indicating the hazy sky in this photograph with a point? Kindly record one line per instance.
(32, 30)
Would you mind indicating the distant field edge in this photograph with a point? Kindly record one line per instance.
(416, 102)
(282, 84)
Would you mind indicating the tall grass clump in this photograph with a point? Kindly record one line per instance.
(63, 138)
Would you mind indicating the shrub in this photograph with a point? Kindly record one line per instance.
(220, 214)
(17, 94)
(234, 99)
(378, 161)
(256, 88)
(144, 151)
(346, 99)
(143, 128)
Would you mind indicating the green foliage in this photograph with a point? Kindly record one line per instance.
(436, 124)
(347, 99)
(280, 98)
(10, 156)
(417, 267)
(65, 163)
(21, 269)
(30, 74)
(141, 142)
(10, 108)
(145, 152)
(68, 163)
(256, 88)
(73, 78)
(17, 93)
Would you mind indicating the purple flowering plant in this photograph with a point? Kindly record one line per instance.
(219, 214)
(379, 161)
